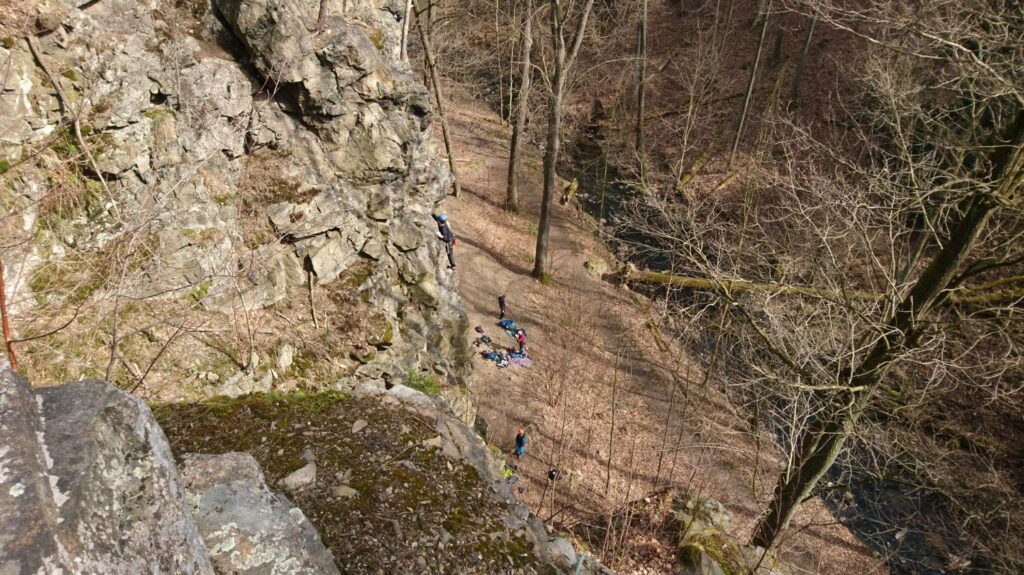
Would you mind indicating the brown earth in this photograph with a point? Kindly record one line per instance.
(597, 402)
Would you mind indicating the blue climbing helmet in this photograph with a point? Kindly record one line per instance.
(442, 218)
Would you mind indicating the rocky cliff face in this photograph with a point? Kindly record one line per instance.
(229, 197)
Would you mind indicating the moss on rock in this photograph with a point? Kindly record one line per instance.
(413, 509)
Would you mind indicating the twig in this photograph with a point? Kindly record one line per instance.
(312, 305)
(66, 111)
(3, 316)
(157, 357)
(51, 332)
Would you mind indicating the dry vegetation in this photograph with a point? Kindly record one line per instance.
(803, 204)
(665, 424)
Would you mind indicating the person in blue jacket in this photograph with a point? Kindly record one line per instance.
(520, 449)
(444, 231)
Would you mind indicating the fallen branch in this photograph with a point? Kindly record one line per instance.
(966, 296)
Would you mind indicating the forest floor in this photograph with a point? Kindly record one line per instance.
(598, 402)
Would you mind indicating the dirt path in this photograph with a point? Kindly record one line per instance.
(596, 403)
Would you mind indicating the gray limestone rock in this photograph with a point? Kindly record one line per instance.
(363, 108)
(285, 357)
(244, 382)
(301, 478)
(89, 485)
(218, 96)
(249, 529)
(28, 509)
(406, 235)
(112, 461)
(560, 552)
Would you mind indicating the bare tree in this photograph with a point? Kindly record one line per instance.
(762, 18)
(802, 62)
(563, 61)
(435, 81)
(515, 148)
(641, 90)
(894, 240)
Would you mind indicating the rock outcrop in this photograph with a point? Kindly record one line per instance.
(236, 156)
(705, 546)
(248, 528)
(88, 485)
(458, 442)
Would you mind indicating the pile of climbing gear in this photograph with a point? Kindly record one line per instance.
(501, 356)
(510, 327)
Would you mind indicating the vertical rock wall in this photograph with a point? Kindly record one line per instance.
(233, 149)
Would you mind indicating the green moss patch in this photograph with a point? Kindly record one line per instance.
(428, 383)
(414, 510)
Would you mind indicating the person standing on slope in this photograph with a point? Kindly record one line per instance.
(520, 449)
(444, 231)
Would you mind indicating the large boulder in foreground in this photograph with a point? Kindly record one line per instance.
(88, 485)
(99, 490)
(28, 522)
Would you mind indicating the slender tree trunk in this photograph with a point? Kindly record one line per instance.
(750, 82)
(795, 95)
(405, 31)
(664, 431)
(515, 149)
(439, 100)
(611, 433)
(321, 18)
(562, 64)
(550, 160)
(822, 442)
(641, 90)
(553, 141)
(763, 7)
(8, 343)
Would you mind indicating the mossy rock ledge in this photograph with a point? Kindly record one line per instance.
(396, 485)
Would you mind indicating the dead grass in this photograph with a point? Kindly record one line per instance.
(586, 338)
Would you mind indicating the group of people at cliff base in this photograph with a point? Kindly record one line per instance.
(504, 357)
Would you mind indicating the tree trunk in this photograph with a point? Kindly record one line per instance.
(982, 294)
(641, 91)
(405, 31)
(763, 7)
(795, 95)
(550, 162)
(562, 64)
(439, 100)
(824, 440)
(750, 82)
(515, 148)
(321, 18)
